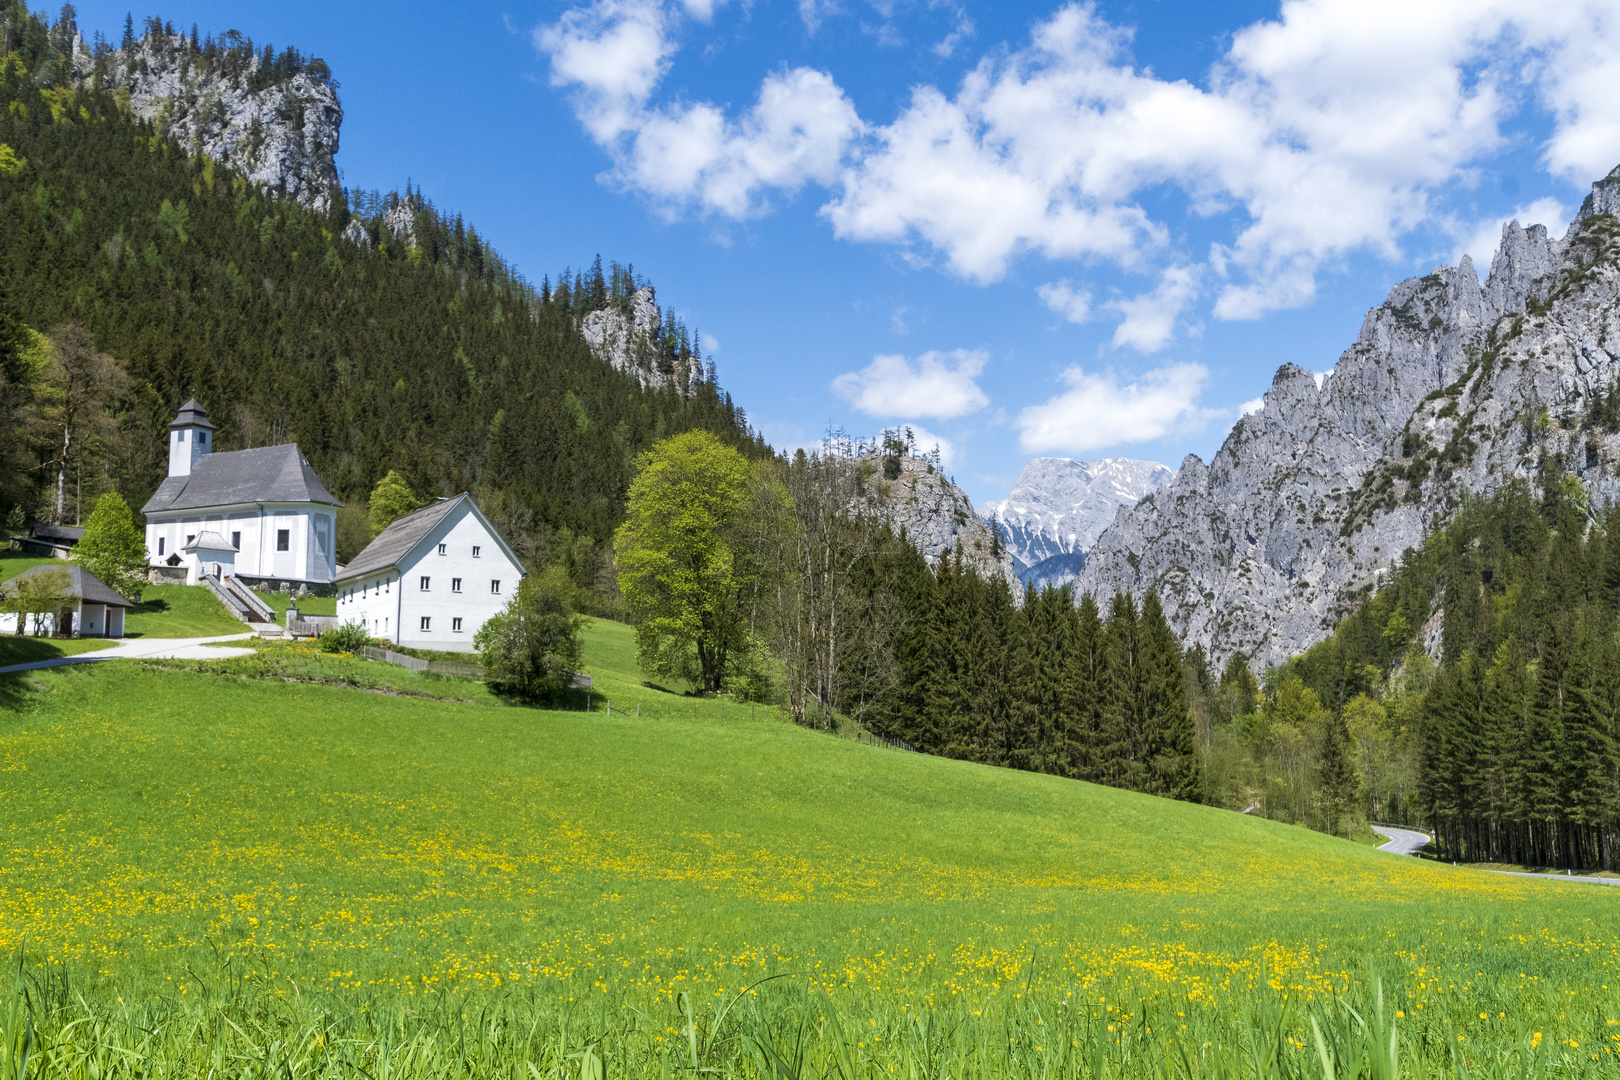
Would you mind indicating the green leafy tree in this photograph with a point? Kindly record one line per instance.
(38, 594)
(531, 649)
(391, 498)
(690, 558)
(113, 548)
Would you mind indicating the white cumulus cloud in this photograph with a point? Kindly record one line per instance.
(1064, 299)
(1150, 318)
(938, 385)
(1099, 411)
(1253, 405)
(1327, 130)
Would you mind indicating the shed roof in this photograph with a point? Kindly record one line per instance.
(268, 474)
(82, 585)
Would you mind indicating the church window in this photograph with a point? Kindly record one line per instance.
(426, 620)
(455, 624)
(455, 584)
(190, 537)
(476, 550)
(236, 541)
(442, 547)
(495, 586)
(160, 545)
(283, 539)
(425, 581)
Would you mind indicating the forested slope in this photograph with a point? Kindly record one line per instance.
(404, 344)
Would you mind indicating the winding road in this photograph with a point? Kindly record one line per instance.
(1401, 841)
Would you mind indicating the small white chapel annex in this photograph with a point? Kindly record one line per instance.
(432, 578)
(261, 515)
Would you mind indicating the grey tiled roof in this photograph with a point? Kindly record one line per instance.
(400, 536)
(208, 540)
(268, 474)
(82, 585)
(192, 415)
(57, 532)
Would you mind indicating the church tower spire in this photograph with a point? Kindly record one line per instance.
(190, 437)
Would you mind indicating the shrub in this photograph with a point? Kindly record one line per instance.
(531, 650)
(347, 638)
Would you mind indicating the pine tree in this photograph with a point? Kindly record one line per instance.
(1167, 726)
(1121, 755)
(1335, 777)
(1085, 691)
(1543, 736)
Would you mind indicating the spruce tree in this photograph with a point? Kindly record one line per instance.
(1167, 727)
(1335, 776)
(1121, 755)
(1085, 689)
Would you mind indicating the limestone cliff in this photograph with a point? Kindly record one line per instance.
(629, 338)
(1451, 388)
(910, 493)
(274, 119)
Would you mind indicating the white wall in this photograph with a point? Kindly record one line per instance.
(311, 553)
(394, 608)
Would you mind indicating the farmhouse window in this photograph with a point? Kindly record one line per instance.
(442, 547)
(283, 539)
(425, 582)
(476, 550)
(426, 620)
(495, 586)
(455, 624)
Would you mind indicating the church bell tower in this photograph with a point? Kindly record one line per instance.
(190, 437)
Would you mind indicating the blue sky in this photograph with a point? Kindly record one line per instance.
(1025, 229)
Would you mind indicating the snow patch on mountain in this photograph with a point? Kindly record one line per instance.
(1059, 507)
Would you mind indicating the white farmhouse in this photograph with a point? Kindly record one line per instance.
(431, 579)
(261, 515)
(88, 607)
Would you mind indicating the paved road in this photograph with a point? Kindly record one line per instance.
(144, 649)
(1402, 841)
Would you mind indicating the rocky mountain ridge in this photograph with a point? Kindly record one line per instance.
(274, 119)
(1059, 507)
(1451, 388)
(628, 339)
(910, 493)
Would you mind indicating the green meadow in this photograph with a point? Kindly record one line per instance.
(246, 870)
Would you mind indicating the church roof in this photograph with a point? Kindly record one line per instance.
(402, 534)
(192, 414)
(82, 585)
(268, 474)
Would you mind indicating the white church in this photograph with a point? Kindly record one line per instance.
(260, 515)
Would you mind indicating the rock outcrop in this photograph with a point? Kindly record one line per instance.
(1059, 507)
(1451, 389)
(911, 494)
(280, 131)
(630, 340)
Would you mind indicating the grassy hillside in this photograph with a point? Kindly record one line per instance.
(172, 833)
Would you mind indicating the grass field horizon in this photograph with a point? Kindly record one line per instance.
(173, 831)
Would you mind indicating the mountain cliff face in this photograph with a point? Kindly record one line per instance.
(1451, 389)
(1059, 507)
(275, 119)
(910, 493)
(629, 340)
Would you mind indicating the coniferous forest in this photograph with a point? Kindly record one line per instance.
(425, 354)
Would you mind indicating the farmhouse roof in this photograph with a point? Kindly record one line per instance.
(268, 474)
(396, 542)
(57, 532)
(82, 585)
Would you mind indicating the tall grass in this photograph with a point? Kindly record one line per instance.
(49, 1027)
